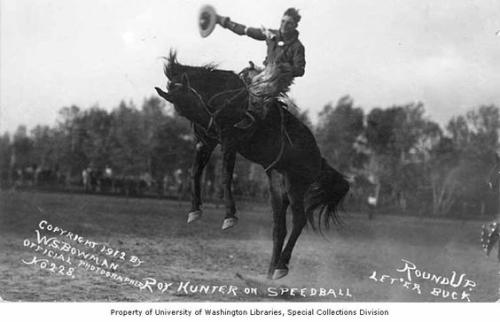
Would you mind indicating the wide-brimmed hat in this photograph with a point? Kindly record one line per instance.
(207, 20)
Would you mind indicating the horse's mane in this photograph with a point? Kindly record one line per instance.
(206, 79)
(172, 68)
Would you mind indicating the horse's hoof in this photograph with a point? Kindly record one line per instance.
(280, 273)
(194, 215)
(229, 223)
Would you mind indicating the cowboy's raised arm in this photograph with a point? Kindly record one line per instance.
(240, 29)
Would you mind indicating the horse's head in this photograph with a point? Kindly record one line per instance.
(186, 100)
(201, 94)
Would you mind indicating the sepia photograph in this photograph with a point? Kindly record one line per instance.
(250, 151)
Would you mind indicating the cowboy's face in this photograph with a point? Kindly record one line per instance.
(288, 24)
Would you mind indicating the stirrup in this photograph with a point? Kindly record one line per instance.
(244, 123)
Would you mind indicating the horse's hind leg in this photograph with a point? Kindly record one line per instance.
(279, 204)
(296, 190)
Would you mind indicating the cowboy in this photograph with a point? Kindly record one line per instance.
(285, 60)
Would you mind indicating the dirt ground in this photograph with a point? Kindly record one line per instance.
(350, 260)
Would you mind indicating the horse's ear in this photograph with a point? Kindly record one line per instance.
(185, 80)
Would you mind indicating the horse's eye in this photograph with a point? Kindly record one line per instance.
(172, 86)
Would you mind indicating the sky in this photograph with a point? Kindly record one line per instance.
(56, 53)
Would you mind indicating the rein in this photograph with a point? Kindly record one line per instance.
(208, 108)
(282, 142)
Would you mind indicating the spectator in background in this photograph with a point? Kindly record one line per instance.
(372, 205)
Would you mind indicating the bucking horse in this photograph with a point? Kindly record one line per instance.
(214, 101)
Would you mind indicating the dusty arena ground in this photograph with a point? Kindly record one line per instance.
(174, 253)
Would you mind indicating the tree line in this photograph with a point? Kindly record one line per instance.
(410, 163)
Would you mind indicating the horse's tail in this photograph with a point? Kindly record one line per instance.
(325, 196)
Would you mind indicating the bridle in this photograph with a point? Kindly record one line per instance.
(209, 109)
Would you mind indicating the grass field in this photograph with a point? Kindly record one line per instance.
(175, 252)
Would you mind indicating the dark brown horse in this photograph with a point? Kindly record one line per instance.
(299, 177)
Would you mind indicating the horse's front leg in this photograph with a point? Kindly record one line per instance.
(228, 161)
(202, 155)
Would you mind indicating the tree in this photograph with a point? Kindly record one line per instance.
(338, 130)
(171, 145)
(5, 158)
(22, 148)
(400, 139)
(43, 146)
(474, 137)
(94, 129)
(153, 118)
(129, 155)
(443, 176)
(69, 140)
